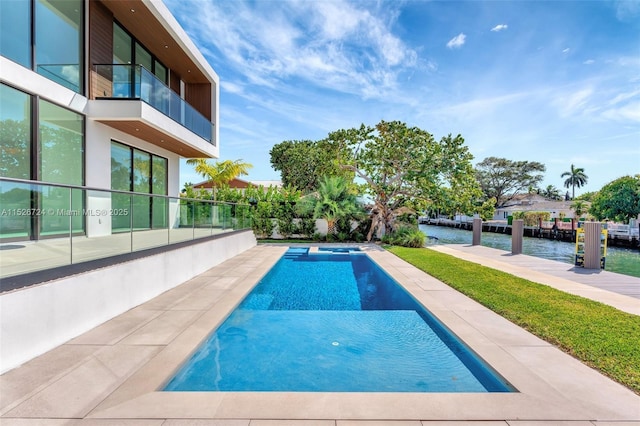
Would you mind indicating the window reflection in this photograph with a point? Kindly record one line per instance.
(58, 58)
(15, 31)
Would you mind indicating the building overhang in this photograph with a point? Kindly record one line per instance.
(142, 121)
(157, 29)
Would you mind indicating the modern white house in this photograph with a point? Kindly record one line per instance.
(99, 101)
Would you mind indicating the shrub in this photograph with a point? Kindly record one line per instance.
(307, 227)
(405, 236)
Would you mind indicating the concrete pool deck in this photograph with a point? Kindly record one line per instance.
(111, 374)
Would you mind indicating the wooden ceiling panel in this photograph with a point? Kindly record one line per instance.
(139, 21)
(155, 137)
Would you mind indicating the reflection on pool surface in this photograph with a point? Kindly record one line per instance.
(333, 323)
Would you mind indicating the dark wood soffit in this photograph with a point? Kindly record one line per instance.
(156, 137)
(152, 34)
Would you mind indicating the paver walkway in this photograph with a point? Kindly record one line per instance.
(112, 374)
(617, 290)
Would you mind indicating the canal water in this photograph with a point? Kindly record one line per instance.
(620, 260)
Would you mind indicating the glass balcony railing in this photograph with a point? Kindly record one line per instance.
(136, 82)
(44, 226)
(67, 75)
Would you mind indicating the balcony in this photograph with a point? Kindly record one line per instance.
(134, 82)
(49, 226)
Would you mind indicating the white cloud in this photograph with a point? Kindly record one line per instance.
(627, 10)
(624, 97)
(566, 50)
(337, 45)
(589, 62)
(499, 27)
(573, 103)
(626, 113)
(457, 41)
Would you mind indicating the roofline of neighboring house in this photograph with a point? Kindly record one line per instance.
(208, 184)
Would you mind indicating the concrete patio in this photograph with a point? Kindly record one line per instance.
(111, 375)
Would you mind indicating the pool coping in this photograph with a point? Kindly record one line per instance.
(551, 384)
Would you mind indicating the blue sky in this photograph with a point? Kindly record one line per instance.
(555, 82)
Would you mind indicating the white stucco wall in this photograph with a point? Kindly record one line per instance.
(39, 318)
(98, 171)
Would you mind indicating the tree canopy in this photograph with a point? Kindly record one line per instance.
(406, 166)
(618, 200)
(221, 172)
(304, 163)
(503, 179)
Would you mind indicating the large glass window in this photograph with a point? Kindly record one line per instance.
(121, 46)
(121, 181)
(138, 171)
(126, 50)
(59, 58)
(15, 31)
(61, 134)
(141, 183)
(55, 154)
(61, 144)
(15, 161)
(15, 133)
(122, 81)
(57, 42)
(160, 71)
(159, 187)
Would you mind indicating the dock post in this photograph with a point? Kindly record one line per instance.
(477, 231)
(517, 231)
(592, 231)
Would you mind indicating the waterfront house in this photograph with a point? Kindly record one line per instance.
(534, 202)
(99, 101)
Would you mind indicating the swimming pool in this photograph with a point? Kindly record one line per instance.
(333, 322)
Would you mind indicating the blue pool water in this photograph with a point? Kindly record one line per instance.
(333, 322)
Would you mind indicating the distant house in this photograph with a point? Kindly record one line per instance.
(239, 184)
(534, 202)
(235, 183)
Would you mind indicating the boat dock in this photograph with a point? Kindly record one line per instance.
(628, 238)
(617, 290)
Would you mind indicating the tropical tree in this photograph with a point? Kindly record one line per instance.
(503, 179)
(579, 207)
(220, 172)
(551, 192)
(618, 200)
(304, 163)
(575, 177)
(586, 196)
(334, 200)
(405, 166)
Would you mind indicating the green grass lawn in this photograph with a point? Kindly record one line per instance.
(598, 335)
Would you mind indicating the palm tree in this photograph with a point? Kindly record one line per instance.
(221, 172)
(333, 201)
(576, 177)
(551, 192)
(579, 207)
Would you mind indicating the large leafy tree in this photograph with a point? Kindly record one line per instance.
(304, 163)
(618, 200)
(405, 166)
(575, 177)
(503, 179)
(219, 173)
